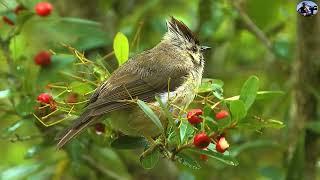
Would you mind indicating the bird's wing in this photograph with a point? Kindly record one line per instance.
(125, 84)
(133, 85)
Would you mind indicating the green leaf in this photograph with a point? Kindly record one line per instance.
(227, 159)
(80, 87)
(238, 110)
(249, 91)
(150, 160)
(186, 130)
(261, 95)
(187, 161)
(121, 48)
(129, 142)
(152, 116)
(209, 85)
(19, 172)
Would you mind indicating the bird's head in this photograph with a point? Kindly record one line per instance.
(179, 35)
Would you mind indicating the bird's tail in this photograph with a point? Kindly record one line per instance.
(78, 125)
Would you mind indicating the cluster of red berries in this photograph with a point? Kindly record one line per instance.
(194, 116)
(202, 140)
(41, 9)
(47, 99)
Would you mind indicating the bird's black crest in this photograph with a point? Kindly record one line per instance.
(178, 27)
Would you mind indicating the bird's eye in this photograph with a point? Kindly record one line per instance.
(194, 49)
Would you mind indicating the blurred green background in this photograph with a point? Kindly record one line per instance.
(248, 37)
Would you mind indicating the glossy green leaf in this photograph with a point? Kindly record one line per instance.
(152, 116)
(249, 91)
(186, 130)
(121, 48)
(238, 110)
(129, 142)
(227, 159)
(187, 161)
(150, 160)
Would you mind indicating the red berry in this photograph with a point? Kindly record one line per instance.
(18, 9)
(203, 157)
(222, 145)
(43, 58)
(201, 140)
(45, 98)
(43, 8)
(100, 128)
(193, 116)
(7, 20)
(222, 114)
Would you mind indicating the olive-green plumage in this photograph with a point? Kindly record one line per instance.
(172, 70)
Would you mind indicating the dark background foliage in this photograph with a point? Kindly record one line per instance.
(268, 39)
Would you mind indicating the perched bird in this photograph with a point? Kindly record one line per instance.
(172, 70)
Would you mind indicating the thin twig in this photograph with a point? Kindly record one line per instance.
(251, 26)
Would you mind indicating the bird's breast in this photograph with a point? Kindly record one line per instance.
(184, 94)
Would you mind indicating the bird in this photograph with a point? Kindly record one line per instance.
(172, 70)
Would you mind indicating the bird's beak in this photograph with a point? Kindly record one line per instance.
(204, 48)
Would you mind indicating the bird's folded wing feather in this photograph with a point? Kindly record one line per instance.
(127, 85)
(143, 81)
